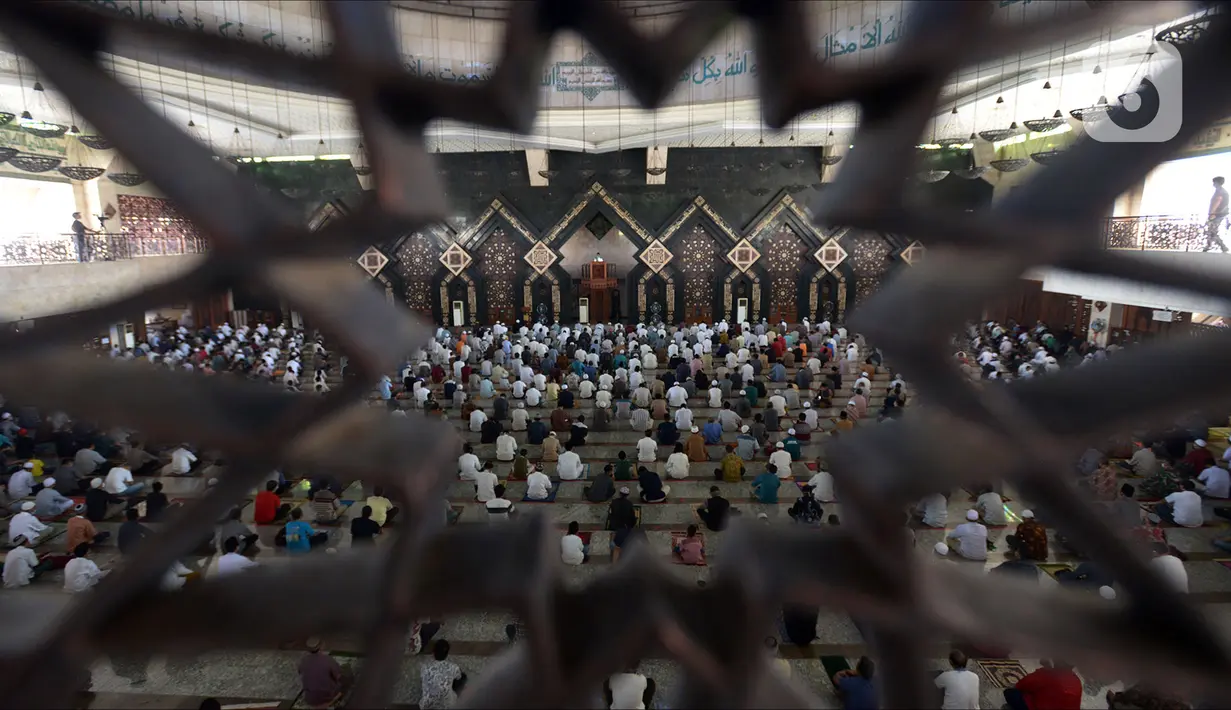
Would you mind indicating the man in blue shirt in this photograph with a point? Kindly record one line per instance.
(765, 486)
(299, 537)
(777, 373)
(855, 687)
(712, 431)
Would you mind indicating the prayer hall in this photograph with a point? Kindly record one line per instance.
(615, 354)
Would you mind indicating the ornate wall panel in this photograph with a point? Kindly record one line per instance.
(498, 264)
(783, 256)
(418, 262)
(156, 221)
(868, 253)
(698, 263)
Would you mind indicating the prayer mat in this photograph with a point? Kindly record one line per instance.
(551, 496)
(814, 468)
(833, 665)
(1051, 568)
(676, 537)
(1001, 672)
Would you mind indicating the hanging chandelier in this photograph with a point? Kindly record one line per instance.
(31, 163)
(931, 175)
(971, 173)
(1009, 165)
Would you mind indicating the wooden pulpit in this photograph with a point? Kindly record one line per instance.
(597, 281)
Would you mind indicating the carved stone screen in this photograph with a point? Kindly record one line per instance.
(158, 227)
(418, 260)
(498, 262)
(869, 257)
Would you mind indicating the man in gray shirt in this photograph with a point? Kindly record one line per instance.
(1218, 213)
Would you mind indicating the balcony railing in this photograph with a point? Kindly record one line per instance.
(112, 246)
(1157, 232)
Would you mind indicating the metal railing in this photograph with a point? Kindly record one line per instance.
(1157, 232)
(109, 246)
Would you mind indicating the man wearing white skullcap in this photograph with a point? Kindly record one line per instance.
(24, 523)
(50, 503)
(781, 459)
(1033, 538)
(970, 538)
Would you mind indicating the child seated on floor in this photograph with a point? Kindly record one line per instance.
(690, 548)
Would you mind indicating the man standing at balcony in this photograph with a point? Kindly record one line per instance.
(80, 230)
(1219, 208)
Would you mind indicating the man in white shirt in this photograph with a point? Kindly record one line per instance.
(119, 482)
(181, 463)
(21, 564)
(534, 396)
(677, 462)
(569, 467)
(810, 415)
(477, 417)
(970, 538)
(647, 448)
(715, 393)
(538, 485)
(80, 574)
(1215, 482)
(467, 464)
(485, 483)
(683, 418)
(1182, 507)
(231, 561)
(1164, 564)
(520, 418)
(961, 687)
(933, 510)
(21, 483)
(677, 396)
(602, 399)
(572, 548)
(25, 524)
(781, 458)
(822, 485)
(499, 508)
(586, 389)
(778, 402)
(506, 447)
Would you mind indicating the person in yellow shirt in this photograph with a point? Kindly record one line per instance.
(383, 509)
(732, 466)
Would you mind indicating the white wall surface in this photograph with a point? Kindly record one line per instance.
(51, 289)
(1133, 293)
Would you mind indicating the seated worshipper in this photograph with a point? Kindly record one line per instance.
(299, 537)
(741, 405)
(98, 501)
(970, 538)
(520, 418)
(765, 486)
(729, 419)
(324, 682)
(781, 460)
(551, 447)
(715, 511)
(712, 432)
(683, 418)
(1053, 686)
(569, 467)
(267, 507)
(621, 513)
(538, 485)
(855, 688)
(560, 420)
(668, 434)
(156, 502)
(1168, 563)
(932, 511)
(566, 398)
(521, 466)
(602, 418)
(792, 445)
(694, 447)
(639, 419)
(843, 423)
(80, 574)
(1199, 458)
(732, 466)
(467, 463)
(440, 680)
(770, 418)
(21, 483)
(574, 550)
(536, 431)
(363, 530)
(231, 561)
(181, 463)
(690, 548)
(477, 417)
(485, 482)
(506, 447)
(1214, 482)
(22, 565)
(677, 463)
(490, 431)
(49, 503)
(1014, 564)
(746, 444)
(131, 532)
(26, 525)
(624, 467)
(87, 461)
(960, 686)
(80, 530)
(1183, 507)
(1144, 462)
(990, 507)
(234, 527)
(652, 488)
(500, 408)
(802, 430)
(799, 623)
(1033, 537)
(602, 489)
(578, 432)
(325, 506)
(822, 484)
(805, 509)
(119, 482)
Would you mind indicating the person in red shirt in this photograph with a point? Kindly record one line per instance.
(1053, 687)
(268, 507)
(1199, 458)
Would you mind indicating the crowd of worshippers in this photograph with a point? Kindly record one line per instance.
(992, 351)
(261, 352)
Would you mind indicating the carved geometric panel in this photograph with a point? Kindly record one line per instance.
(656, 256)
(831, 254)
(743, 255)
(541, 257)
(455, 259)
(372, 261)
(913, 253)
(498, 256)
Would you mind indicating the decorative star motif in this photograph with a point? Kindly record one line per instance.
(830, 255)
(743, 255)
(372, 261)
(455, 258)
(913, 253)
(541, 257)
(656, 256)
